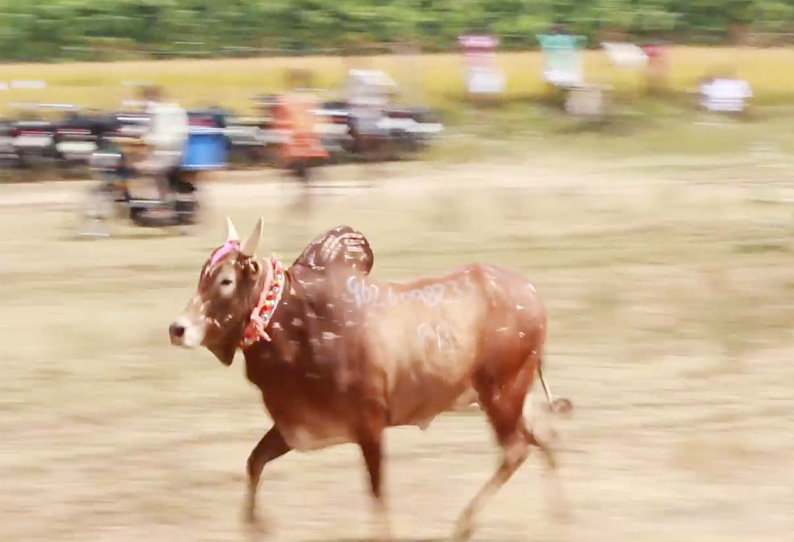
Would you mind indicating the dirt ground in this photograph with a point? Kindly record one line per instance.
(671, 300)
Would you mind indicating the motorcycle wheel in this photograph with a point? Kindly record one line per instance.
(188, 212)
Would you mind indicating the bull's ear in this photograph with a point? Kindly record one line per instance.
(248, 248)
(224, 351)
(253, 267)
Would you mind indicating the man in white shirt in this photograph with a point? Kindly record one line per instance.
(368, 94)
(166, 137)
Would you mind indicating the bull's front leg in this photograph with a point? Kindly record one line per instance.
(270, 447)
(371, 443)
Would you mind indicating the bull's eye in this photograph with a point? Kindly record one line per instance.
(226, 283)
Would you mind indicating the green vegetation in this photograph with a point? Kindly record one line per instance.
(98, 29)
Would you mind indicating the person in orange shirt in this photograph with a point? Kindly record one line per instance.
(295, 115)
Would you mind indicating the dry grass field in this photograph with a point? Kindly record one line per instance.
(671, 300)
(435, 78)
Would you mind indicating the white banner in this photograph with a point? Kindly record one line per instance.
(486, 81)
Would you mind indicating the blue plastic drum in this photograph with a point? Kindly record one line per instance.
(205, 149)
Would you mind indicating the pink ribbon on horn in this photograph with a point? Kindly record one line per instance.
(225, 249)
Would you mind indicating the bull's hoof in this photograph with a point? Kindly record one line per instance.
(254, 524)
(382, 536)
(561, 515)
(463, 531)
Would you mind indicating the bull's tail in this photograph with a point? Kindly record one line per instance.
(557, 405)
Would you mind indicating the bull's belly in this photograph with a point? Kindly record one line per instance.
(311, 435)
(418, 404)
(466, 399)
(305, 424)
(314, 431)
(424, 384)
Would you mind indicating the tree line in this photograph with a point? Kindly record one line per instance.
(52, 30)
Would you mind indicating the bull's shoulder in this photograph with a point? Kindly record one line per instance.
(340, 247)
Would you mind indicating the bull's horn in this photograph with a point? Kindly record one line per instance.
(231, 231)
(248, 247)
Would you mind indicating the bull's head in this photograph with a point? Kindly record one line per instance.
(228, 289)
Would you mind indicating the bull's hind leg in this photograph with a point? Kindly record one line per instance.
(270, 447)
(559, 508)
(503, 404)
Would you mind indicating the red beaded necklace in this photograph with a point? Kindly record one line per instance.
(266, 307)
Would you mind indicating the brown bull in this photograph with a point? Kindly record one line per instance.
(340, 356)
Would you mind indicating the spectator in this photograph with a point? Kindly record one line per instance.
(658, 66)
(165, 138)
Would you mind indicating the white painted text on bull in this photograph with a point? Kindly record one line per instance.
(439, 335)
(370, 294)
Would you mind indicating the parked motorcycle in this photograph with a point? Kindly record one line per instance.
(121, 195)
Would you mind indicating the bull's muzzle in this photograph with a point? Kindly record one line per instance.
(177, 333)
(185, 333)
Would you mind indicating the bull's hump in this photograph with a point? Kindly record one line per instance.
(340, 247)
